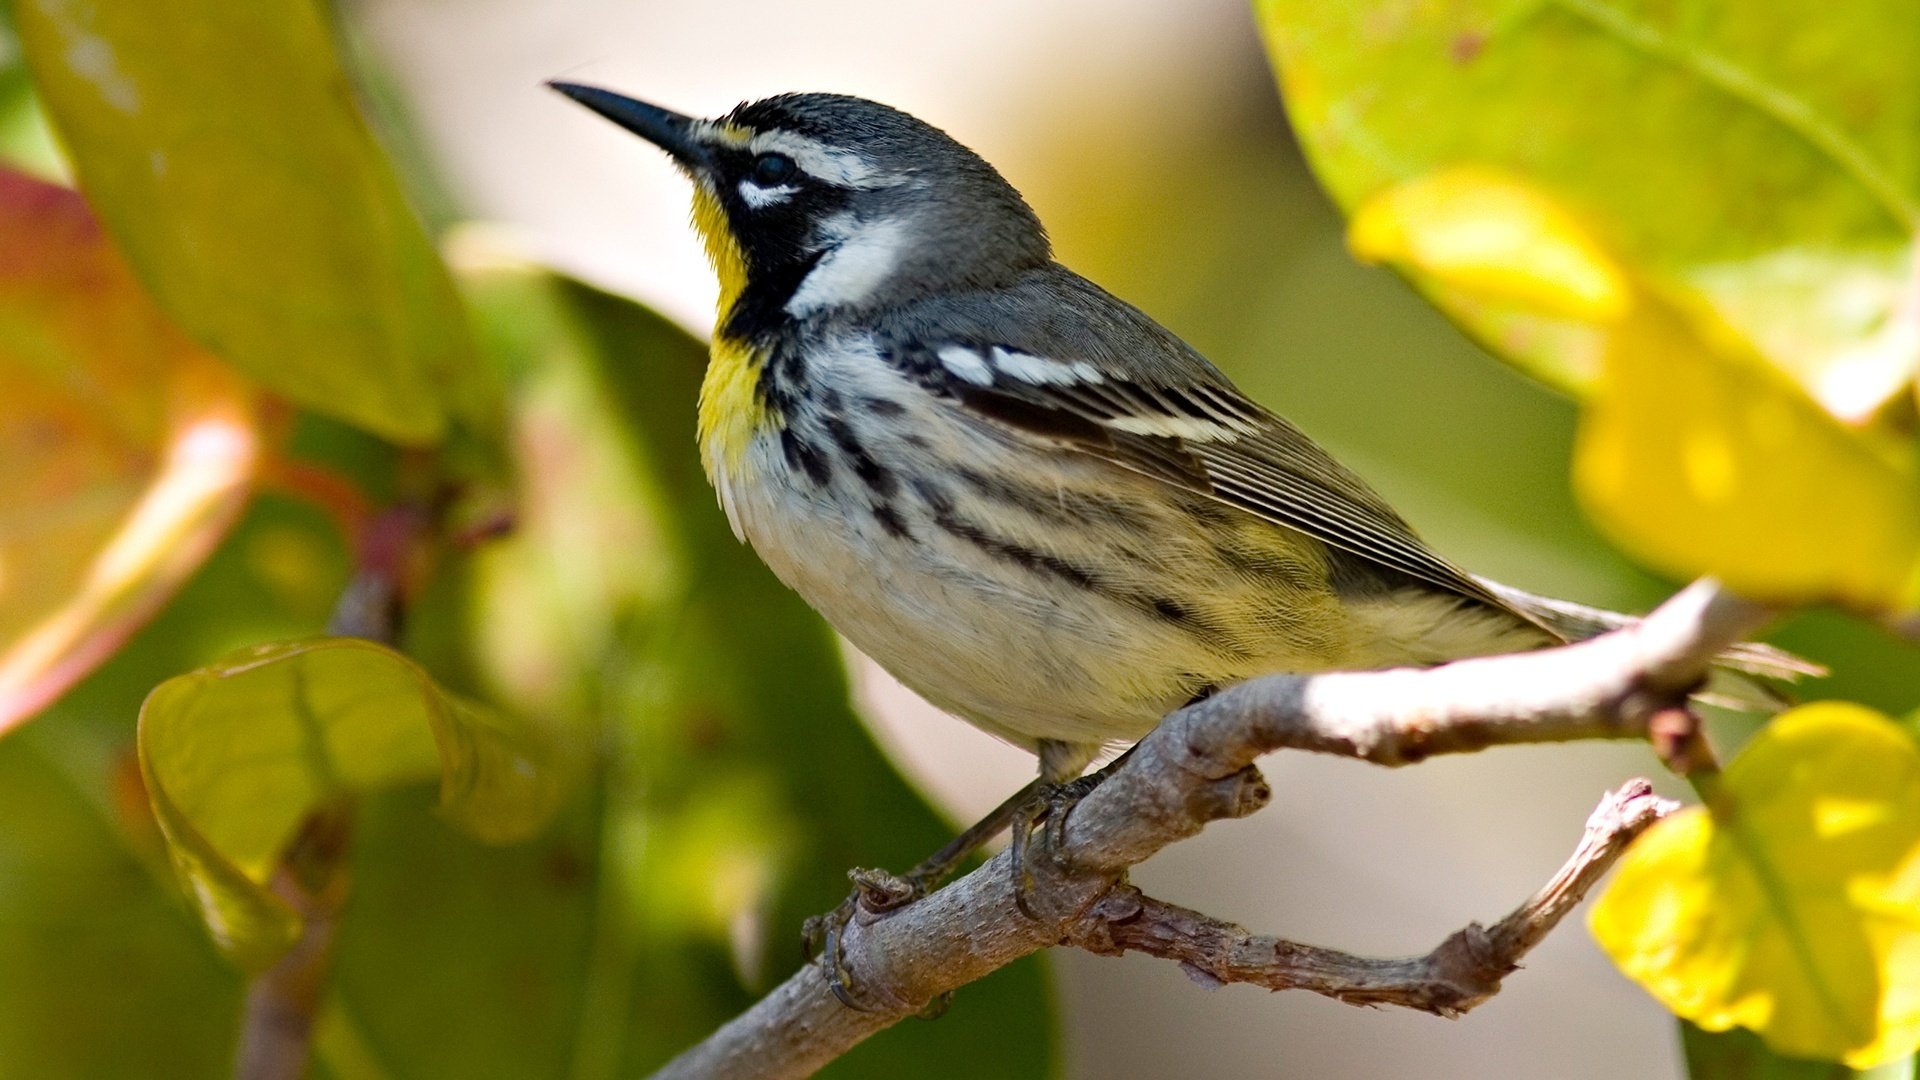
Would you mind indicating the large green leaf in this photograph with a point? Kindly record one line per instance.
(237, 754)
(760, 784)
(1762, 154)
(221, 144)
(130, 451)
(100, 975)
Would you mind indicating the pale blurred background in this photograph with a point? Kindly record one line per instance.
(1149, 136)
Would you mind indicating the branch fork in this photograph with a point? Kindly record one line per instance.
(1197, 767)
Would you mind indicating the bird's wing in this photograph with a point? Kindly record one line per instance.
(1085, 371)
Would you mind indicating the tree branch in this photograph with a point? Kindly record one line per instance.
(1196, 767)
(1463, 971)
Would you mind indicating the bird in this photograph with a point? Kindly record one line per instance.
(1024, 498)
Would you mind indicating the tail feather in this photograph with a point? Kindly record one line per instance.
(1748, 676)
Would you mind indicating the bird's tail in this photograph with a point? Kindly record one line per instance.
(1750, 677)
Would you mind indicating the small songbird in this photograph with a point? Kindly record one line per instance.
(1027, 500)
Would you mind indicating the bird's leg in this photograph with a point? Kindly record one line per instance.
(1051, 803)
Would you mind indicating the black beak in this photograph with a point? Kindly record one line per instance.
(668, 130)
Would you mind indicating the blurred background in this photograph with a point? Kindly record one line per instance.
(1151, 139)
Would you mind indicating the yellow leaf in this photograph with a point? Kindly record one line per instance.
(1700, 459)
(1793, 908)
(129, 451)
(1695, 454)
(1493, 237)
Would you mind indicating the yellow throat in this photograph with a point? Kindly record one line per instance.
(731, 412)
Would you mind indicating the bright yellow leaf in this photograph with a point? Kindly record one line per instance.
(129, 451)
(1701, 460)
(1491, 236)
(1695, 454)
(1792, 908)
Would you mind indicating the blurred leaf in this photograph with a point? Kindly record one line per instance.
(129, 450)
(1793, 907)
(221, 144)
(106, 973)
(1704, 461)
(25, 142)
(759, 787)
(237, 754)
(1693, 453)
(462, 960)
(1760, 154)
(100, 975)
(1737, 1054)
(1482, 238)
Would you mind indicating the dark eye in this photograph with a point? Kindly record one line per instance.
(772, 170)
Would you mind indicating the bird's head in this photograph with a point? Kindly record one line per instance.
(817, 203)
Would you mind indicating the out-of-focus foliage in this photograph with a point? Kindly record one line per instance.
(1700, 222)
(1737, 1054)
(718, 783)
(129, 450)
(1788, 904)
(1694, 452)
(25, 141)
(105, 967)
(221, 145)
(1748, 152)
(238, 753)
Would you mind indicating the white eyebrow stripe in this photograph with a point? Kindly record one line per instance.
(835, 166)
(759, 197)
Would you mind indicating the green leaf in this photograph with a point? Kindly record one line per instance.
(221, 144)
(763, 787)
(130, 451)
(237, 754)
(1737, 1054)
(101, 974)
(1759, 154)
(1792, 908)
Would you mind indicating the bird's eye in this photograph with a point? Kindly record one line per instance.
(772, 170)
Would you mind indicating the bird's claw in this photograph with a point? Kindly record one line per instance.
(876, 892)
(1049, 808)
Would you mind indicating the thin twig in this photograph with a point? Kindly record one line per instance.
(1196, 767)
(1460, 973)
(282, 1003)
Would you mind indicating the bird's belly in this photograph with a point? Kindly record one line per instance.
(1079, 605)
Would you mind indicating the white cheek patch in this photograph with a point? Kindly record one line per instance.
(759, 198)
(851, 271)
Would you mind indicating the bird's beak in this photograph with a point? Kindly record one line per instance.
(664, 128)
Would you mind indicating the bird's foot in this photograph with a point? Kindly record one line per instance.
(1044, 817)
(875, 892)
